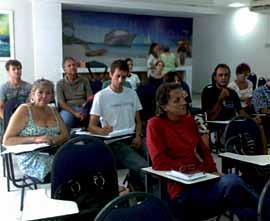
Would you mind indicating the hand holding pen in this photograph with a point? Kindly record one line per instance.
(107, 128)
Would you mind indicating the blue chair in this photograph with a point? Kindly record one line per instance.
(84, 171)
(264, 203)
(253, 78)
(243, 136)
(261, 81)
(133, 207)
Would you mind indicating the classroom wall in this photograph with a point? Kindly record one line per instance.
(38, 41)
(226, 39)
(23, 37)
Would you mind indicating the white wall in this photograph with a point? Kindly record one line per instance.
(23, 37)
(47, 35)
(216, 39)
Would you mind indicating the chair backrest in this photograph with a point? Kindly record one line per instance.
(10, 106)
(96, 64)
(264, 203)
(261, 81)
(84, 171)
(133, 207)
(253, 78)
(243, 136)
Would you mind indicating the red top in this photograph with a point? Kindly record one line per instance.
(173, 144)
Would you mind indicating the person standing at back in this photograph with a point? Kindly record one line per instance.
(153, 57)
(15, 86)
(72, 93)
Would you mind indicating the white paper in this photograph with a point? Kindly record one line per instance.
(113, 134)
(21, 148)
(185, 176)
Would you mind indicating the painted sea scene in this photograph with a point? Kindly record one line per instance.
(5, 49)
(104, 37)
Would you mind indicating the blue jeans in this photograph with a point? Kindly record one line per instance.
(208, 199)
(69, 119)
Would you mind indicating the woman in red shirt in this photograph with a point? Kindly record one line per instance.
(175, 144)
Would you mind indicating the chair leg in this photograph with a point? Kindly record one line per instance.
(4, 167)
(22, 199)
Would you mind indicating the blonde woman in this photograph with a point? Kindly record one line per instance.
(36, 122)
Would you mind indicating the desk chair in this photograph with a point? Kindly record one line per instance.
(84, 171)
(253, 78)
(243, 136)
(19, 181)
(261, 81)
(96, 64)
(133, 207)
(264, 203)
(9, 108)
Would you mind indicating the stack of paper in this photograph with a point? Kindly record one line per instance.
(185, 176)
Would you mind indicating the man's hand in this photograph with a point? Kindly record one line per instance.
(136, 142)
(106, 130)
(79, 115)
(224, 93)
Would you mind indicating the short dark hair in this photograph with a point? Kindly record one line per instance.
(222, 66)
(163, 96)
(120, 64)
(170, 76)
(13, 62)
(67, 59)
(242, 68)
(128, 59)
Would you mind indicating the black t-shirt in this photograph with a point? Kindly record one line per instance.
(230, 105)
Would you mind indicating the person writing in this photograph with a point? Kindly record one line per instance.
(174, 144)
(36, 122)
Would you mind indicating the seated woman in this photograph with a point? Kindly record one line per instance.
(243, 87)
(175, 144)
(36, 122)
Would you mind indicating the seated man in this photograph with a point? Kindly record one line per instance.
(261, 98)
(72, 92)
(175, 144)
(218, 101)
(15, 86)
(261, 103)
(117, 107)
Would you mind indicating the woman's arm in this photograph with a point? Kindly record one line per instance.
(16, 123)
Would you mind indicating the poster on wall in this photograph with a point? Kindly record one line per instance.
(6, 35)
(105, 37)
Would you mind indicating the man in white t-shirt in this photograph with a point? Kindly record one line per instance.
(133, 79)
(116, 108)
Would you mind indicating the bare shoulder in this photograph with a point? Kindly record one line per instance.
(22, 110)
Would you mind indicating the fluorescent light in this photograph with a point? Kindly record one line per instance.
(245, 21)
(236, 5)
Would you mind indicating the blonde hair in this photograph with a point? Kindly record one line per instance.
(40, 83)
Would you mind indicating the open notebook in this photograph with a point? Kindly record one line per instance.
(21, 148)
(113, 134)
(185, 176)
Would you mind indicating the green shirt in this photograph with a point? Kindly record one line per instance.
(75, 93)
